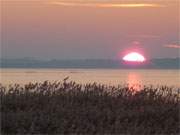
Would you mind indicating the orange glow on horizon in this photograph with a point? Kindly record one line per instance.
(107, 5)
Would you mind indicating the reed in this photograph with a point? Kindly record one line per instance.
(72, 108)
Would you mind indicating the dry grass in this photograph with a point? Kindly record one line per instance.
(68, 107)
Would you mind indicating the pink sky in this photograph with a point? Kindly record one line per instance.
(92, 29)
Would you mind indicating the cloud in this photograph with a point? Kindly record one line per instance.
(144, 36)
(172, 46)
(107, 5)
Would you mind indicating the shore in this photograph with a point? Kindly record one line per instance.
(72, 108)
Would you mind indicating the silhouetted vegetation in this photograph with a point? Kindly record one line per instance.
(68, 107)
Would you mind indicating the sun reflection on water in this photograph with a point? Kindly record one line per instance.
(134, 81)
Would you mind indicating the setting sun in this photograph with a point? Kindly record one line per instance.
(134, 57)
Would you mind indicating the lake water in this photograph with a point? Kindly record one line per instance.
(104, 76)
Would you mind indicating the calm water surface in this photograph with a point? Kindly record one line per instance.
(105, 76)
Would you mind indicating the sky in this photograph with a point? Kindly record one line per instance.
(89, 29)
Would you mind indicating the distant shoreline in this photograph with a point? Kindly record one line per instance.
(166, 63)
(89, 68)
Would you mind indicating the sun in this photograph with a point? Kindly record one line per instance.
(134, 57)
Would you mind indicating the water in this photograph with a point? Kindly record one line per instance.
(104, 76)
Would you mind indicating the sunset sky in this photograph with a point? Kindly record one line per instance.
(81, 29)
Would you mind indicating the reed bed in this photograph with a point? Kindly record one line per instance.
(72, 108)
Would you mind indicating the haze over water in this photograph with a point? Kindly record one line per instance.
(104, 76)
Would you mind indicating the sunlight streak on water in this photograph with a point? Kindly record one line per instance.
(134, 80)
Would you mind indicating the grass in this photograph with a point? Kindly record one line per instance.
(71, 108)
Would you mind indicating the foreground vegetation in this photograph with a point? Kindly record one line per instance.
(66, 108)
